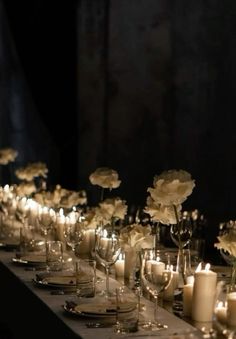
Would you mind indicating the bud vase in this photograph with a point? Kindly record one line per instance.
(132, 265)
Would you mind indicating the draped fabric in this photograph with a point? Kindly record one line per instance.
(156, 88)
(21, 126)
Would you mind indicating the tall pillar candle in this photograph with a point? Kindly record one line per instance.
(203, 299)
(231, 310)
(187, 299)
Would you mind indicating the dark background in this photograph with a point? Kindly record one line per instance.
(139, 86)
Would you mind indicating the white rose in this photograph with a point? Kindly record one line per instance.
(136, 236)
(113, 208)
(25, 189)
(29, 172)
(172, 187)
(7, 155)
(161, 213)
(227, 242)
(105, 178)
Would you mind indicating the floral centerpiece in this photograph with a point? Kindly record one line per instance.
(105, 177)
(28, 174)
(170, 189)
(31, 171)
(132, 239)
(136, 237)
(7, 155)
(112, 209)
(227, 246)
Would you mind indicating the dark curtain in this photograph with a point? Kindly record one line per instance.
(21, 125)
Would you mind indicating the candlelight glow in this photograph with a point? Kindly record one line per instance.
(199, 267)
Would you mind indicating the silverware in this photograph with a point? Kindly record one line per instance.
(99, 325)
(62, 292)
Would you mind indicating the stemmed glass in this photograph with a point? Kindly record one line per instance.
(74, 234)
(46, 219)
(182, 231)
(107, 250)
(156, 276)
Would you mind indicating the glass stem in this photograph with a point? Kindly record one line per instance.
(157, 236)
(156, 309)
(107, 281)
(181, 251)
(233, 277)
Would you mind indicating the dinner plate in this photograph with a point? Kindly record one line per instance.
(9, 244)
(59, 281)
(97, 309)
(32, 259)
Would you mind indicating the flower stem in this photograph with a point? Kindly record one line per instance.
(102, 194)
(181, 259)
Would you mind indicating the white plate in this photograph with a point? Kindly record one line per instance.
(30, 260)
(58, 281)
(97, 310)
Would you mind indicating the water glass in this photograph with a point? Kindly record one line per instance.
(85, 272)
(26, 238)
(127, 311)
(54, 255)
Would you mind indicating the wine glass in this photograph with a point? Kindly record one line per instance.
(156, 276)
(46, 219)
(74, 234)
(107, 250)
(181, 232)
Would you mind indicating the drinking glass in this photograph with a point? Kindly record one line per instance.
(107, 250)
(54, 255)
(127, 311)
(181, 232)
(156, 276)
(85, 273)
(74, 234)
(46, 219)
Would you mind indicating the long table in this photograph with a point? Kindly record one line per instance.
(30, 312)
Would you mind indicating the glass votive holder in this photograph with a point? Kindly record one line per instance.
(54, 255)
(85, 278)
(127, 311)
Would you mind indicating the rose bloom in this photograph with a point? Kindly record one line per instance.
(171, 187)
(136, 236)
(113, 208)
(29, 172)
(7, 155)
(25, 189)
(105, 178)
(73, 199)
(161, 213)
(227, 242)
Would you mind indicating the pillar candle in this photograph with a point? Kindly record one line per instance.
(87, 244)
(157, 269)
(187, 299)
(148, 265)
(220, 312)
(119, 267)
(168, 294)
(231, 309)
(203, 298)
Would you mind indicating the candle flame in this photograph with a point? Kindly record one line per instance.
(105, 233)
(207, 267)
(199, 267)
